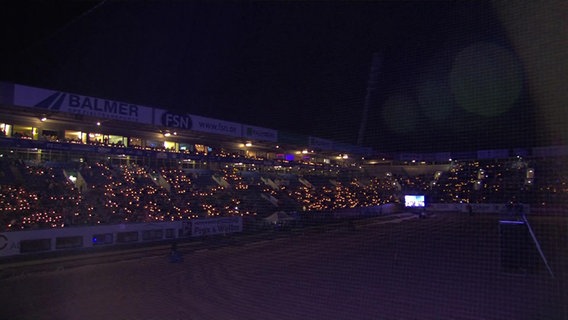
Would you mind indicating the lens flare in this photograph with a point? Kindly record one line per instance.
(486, 79)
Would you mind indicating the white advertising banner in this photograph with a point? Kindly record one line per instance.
(172, 120)
(405, 156)
(78, 104)
(443, 156)
(6, 93)
(493, 154)
(211, 226)
(553, 151)
(210, 125)
(259, 133)
(319, 143)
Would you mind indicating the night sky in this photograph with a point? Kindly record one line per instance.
(450, 77)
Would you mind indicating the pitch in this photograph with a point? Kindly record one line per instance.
(446, 266)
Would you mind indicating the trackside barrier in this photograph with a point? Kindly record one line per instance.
(370, 211)
(34, 241)
(46, 240)
(479, 207)
(215, 226)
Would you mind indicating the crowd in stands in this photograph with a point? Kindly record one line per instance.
(40, 195)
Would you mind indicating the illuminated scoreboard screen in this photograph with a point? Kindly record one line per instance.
(414, 201)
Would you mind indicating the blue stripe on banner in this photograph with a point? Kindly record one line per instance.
(47, 102)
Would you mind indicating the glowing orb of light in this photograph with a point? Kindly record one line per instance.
(486, 79)
(400, 113)
(435, 99)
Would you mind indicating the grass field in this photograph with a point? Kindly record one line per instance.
(447, 266)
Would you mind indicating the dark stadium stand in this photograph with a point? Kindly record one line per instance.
(68, 172)
(41, 195)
